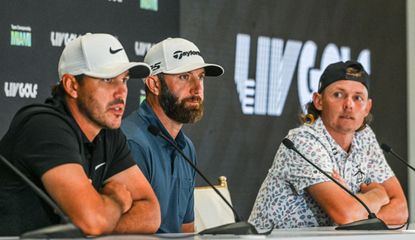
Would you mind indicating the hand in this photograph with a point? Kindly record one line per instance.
(339, 179)
(119, 193)
(376, 188)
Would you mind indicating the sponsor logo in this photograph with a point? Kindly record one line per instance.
(276, 62)
(99, 165)
(59, 39)
(155, 66)
(20, 36)
(115, 51)
(141, 48)
(179, 54)
(20, 90)
(149, 5)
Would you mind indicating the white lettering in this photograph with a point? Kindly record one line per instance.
(141, 48)
(275, 67)
(22, 90)
(58, 39)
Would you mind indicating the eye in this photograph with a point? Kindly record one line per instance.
(338, 94)
(358, 98)
(184, 77)
(125, 79)
(106, 80)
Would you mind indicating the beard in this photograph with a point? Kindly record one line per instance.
(176, 109)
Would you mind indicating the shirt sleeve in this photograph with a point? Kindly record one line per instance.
(379, 169)
(45, 142)
(301, 174)
(140, 157)
(121, 157)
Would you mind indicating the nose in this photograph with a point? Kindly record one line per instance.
(197, 85)
(121, 88)
(348, 103)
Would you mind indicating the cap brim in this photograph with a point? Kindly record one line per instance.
(211, 70)
(136, 70)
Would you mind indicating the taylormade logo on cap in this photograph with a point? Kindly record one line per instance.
(98, 55)
(178, 55)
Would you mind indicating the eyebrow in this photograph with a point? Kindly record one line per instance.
(344, 90)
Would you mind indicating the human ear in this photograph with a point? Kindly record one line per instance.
(317, 101)
(70, 85)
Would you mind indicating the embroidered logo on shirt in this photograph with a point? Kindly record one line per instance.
(99, 165)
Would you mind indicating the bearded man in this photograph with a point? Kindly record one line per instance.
(174, 96)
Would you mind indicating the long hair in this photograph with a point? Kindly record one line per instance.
(313, 114)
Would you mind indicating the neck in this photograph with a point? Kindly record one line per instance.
(343, 139)
(89, 129)
(172, 127)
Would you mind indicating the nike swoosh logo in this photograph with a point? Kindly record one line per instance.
(99, 165)
(115, 51)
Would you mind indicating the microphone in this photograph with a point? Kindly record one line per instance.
(388, 149)
(239, 227)
(67, 230)
(372, 223)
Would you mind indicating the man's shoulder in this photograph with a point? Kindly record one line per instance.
(135, 130)
(304, 130)
(132, 123)
(41, 115)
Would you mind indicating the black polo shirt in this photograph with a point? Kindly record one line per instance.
(41, 142)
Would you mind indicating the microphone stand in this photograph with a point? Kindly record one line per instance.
(372, 223)
(67, 230)
(239, 227)
(388, 149)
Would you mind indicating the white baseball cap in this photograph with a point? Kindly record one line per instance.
(98, 55)
(178, 55)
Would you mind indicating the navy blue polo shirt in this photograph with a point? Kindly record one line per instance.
(172, 178)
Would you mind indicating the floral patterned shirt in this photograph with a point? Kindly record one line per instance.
(282, 201)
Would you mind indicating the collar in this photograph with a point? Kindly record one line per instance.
(148, 115)
(322, 131)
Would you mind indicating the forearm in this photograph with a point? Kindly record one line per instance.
(375, 199)
(394, 213)
(143, 217)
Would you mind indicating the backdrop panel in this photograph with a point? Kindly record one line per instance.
(34, 33)
(273, 53)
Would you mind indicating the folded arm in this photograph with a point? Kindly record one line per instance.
(92, 212)
(144, 215)
(343, 208)
(396, 211)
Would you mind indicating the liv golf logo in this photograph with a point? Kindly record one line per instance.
(20, 90)
(276, 62)
(20, 36)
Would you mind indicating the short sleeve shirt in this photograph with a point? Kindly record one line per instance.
(283, 201)
(171, 177)
(41, 143)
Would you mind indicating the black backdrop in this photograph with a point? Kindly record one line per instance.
(241, 146)
(34, 33)
(241, 129)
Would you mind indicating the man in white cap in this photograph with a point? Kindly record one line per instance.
(72, 147)
(174, 96)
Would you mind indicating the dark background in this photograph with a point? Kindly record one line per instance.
(228, 142)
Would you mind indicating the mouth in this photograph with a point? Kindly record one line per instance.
(193, 104)
(347, 117)
(117, 109)
(193, 99)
